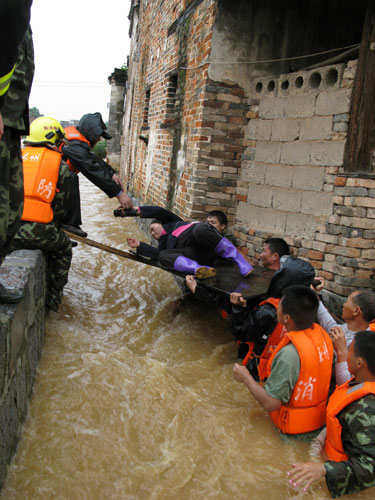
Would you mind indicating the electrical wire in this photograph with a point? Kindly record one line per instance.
(271, 60)
(57, 83)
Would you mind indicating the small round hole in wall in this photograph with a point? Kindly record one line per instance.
(299, 82)
(258, 87)
(285, 85)
(271, 86)
(315, 80)
(332, 76)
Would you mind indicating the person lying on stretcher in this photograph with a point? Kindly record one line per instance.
(188, 247)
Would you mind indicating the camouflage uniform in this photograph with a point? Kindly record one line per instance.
(15, 113)
(52, 240)
(358, 439)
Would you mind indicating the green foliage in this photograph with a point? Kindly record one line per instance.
(100, 149)
(34, 112)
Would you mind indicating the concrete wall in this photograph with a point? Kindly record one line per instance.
(292, 180)
(21, 338)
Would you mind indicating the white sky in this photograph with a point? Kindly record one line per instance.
(77, 45)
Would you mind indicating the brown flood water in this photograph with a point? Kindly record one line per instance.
(134, 400)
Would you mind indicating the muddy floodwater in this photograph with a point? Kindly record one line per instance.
(134, 399)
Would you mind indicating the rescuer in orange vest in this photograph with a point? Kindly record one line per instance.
(299, 370)
(350, 442)
(80, 158)
(47, 181)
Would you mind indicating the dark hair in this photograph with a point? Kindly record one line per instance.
(221, 217)
(301, 303)
(156, 221)
(365, 300)
(278, 245)
(364, 347)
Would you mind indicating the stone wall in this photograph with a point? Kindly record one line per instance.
(21, 337)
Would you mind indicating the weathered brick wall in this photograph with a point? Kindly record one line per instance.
(271, 157)
(21, 337)
(160, 165)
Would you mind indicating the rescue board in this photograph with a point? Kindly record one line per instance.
(227, 280)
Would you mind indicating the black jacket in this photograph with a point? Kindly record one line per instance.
(170, 223)
(79, 153)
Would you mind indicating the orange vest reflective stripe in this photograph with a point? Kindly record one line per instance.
(342, 397)
(72, 134)
(306, 409)
(41, 172)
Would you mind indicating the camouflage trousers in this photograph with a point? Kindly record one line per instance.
(11, 189)
(57, 247)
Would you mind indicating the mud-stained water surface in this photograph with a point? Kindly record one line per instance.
(135, 399)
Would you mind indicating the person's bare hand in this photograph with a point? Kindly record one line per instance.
(1, 126)
(319, 288)
(118, 181)
(133, 243)
(124, 200)
(306, 474)
(339, 343)
(240, 373)
(237, 299)
(191, 283)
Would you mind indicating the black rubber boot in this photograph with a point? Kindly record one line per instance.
(75, 230)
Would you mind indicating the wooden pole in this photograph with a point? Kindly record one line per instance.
(101, 246)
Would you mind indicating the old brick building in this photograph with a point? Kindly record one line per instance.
(246, 106)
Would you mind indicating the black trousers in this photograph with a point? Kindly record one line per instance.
(72, 215)
(197, 244)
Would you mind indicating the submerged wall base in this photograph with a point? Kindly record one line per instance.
(21, 338)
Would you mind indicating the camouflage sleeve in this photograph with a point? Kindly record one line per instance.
(14, 19)
(60, 201)
(358, 436)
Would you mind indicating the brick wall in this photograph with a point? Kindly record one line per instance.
(160, 166)
(270, 156)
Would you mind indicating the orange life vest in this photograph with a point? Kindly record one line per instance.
(342, 397)
(41, 172)
(72, 134)
(306, 409)
(371, 326)
(273, 340)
